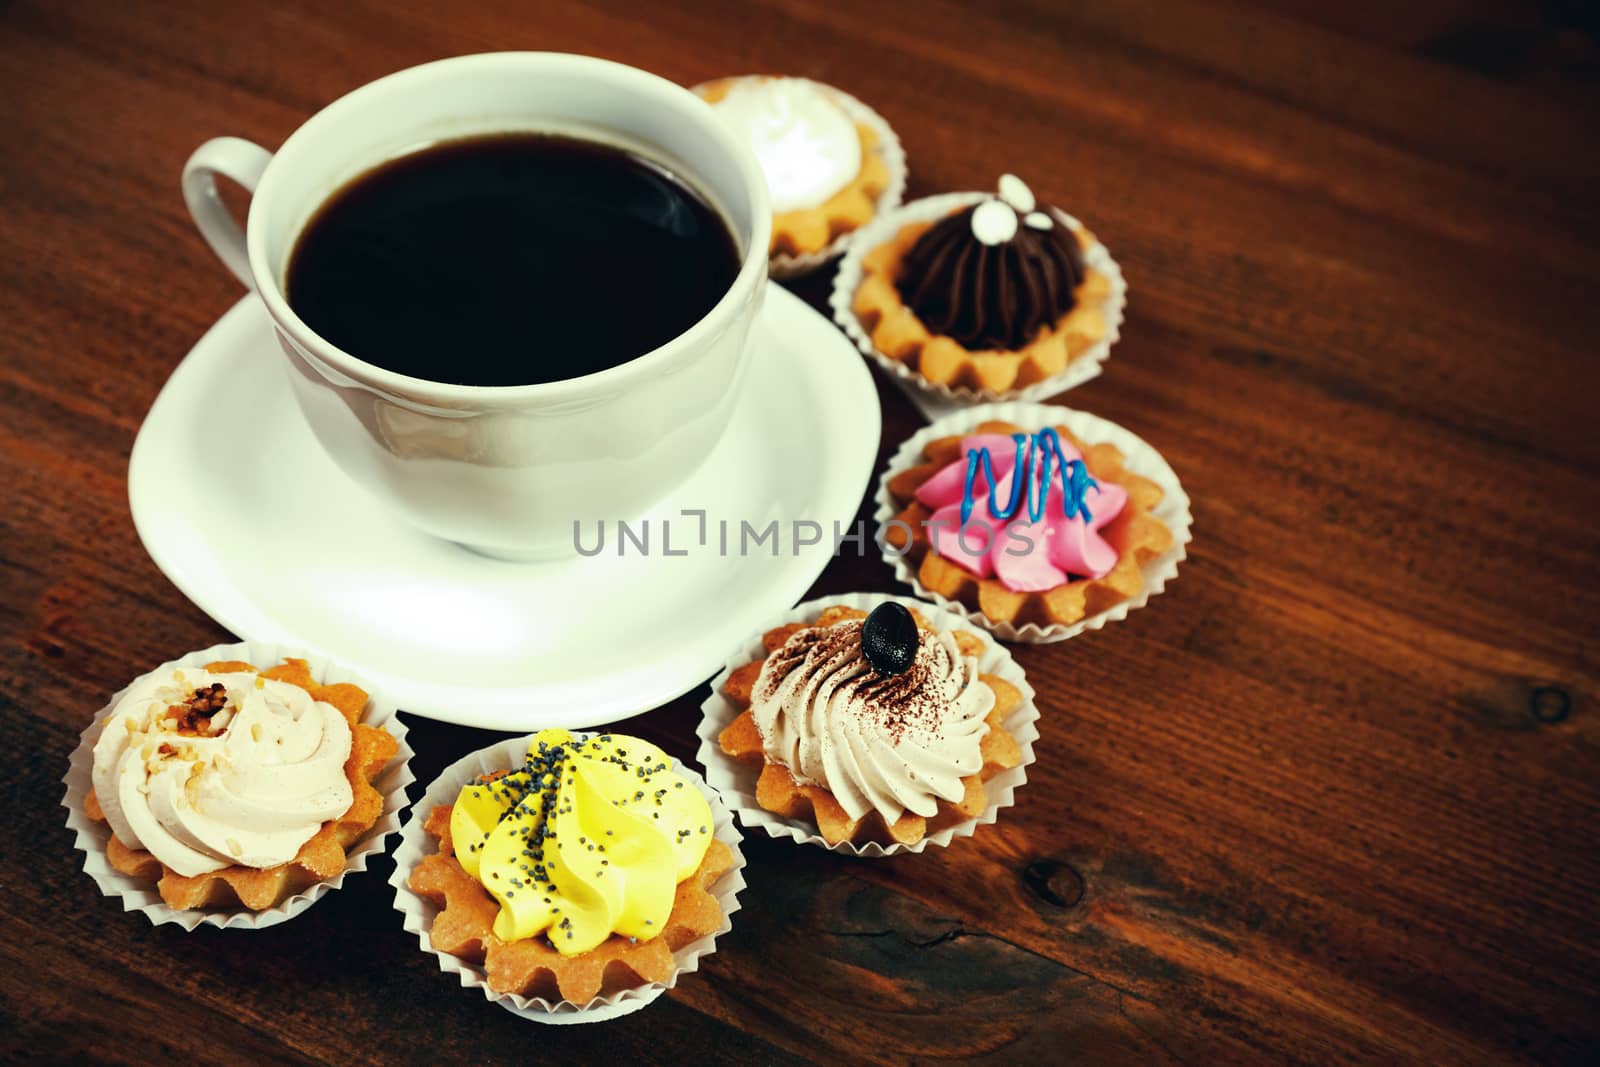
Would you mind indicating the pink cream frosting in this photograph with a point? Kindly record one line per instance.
(1025, 556)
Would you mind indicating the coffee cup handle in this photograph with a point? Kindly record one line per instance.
(239, 161)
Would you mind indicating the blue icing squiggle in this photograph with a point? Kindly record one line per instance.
(981, 455)
(1075, 479)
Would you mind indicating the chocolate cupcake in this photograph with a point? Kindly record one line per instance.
(976, 296)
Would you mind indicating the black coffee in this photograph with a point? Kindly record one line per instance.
(510, 260)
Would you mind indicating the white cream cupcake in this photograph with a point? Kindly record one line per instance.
(832, 164)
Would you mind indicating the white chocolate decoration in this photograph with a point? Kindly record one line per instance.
(807, 146)
(994, 222)
(1037, 220)
(1015, 191)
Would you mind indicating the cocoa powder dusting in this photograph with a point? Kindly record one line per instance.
(898, 703)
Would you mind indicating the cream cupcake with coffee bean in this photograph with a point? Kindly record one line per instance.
(869, 725)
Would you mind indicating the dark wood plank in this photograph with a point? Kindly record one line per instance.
(1327, 799)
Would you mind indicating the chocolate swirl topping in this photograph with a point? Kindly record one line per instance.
(991, 275)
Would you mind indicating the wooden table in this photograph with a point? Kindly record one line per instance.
(1329, 798)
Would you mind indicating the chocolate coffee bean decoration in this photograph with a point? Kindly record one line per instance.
(889, 638)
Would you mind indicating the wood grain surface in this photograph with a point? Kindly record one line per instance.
(1330, 798)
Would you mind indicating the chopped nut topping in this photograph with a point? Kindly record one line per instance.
(194, 714)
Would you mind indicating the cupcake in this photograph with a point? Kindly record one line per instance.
(1037, 522)
(832, 164)
(568, 874)
(977, 296)
(869, 725)
(234, 791)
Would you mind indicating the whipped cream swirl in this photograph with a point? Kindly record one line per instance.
(807, 146)
(206, 770)
(890, 743)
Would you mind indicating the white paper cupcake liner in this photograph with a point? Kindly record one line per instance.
(419, 912)
(782, 265)
(140, 895)
(736, 779)
(1138, 457)
(934, 399)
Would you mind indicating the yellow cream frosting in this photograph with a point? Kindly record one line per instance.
(589, 838)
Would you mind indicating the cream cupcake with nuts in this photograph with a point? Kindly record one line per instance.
(212, 790)
(205, 769)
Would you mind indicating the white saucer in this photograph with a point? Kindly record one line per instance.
(239, 506)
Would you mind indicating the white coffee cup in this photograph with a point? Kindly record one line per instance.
(504, 470)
